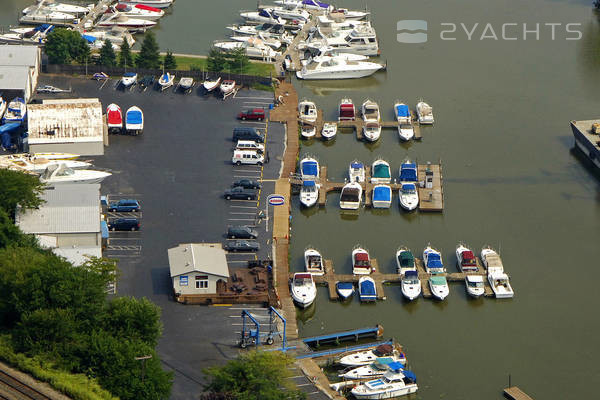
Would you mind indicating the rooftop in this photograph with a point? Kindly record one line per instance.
(198, 257)
(19, 55)
(13, 77)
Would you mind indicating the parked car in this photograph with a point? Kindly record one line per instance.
(241, 232)
(251, 157)
(125, 205)
(247, 184)
(124, 224)
(247, 133)
(241, 193)
(242, 245)
(257, 114)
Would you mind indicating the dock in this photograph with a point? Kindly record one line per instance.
(337, 337)
(292, 48)
(587, 140)
(514, 393)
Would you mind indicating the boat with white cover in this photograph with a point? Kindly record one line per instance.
(186, 83)
(166, 80)
(114, 117)
(118, 19)
(269, 41)
(51, 5)
(151, 3)
(378, 368)
(129, 79)
(432, 259)
(465, 259)
(255, 48)
(140, 11)
(367, 291)
(408, 171)
(308, 131)
(44, 16)
(313, 261)
(329, 130)
(382, 196)
(497, 278)
(367, 357)
(408, 196)
(134, 120)
(439, 286)
(380, 172)
(344, 289)
(372, 131)
(337, 67)
(60, 173)
(309, 168)
(351, 196)
(424, 113)
(303, 289)
(370, 111)
(211, 84)
(411, 285)
(16, 111)
(393, 384)
(356, 171)
(474, 285)
(307, 110)
(227, 86)
(309, 193)
(27, 163)
(361, 262)
(347, 111)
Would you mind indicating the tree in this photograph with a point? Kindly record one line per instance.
(148, 56)
(125, 56)
(18, 188)
(10, 234)
(134, 319)
(254, 376)
(238, 60)
(64, 46)
(108, 56)
(169, 61)
(216, 61)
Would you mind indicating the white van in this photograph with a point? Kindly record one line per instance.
(247, 157)
(250, 145)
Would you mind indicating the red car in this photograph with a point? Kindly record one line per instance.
(255, 114)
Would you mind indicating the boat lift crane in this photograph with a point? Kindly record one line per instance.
(252, 333)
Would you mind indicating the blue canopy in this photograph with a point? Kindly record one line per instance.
(315, 3)
(89, 39)
(345, 285)
(402, 110)
(9, 127)
(44, 27)
(356, 165)
(133, 117)
(433, 256)
(129, 74)
(409, 186)
(104, 229)
(396, 366)
(408, 172)
(382, 193)
(411, 274)
(310, 168)
(367, 288)
(434, 264)
(265, 13)
(410, 375)
(308, 183)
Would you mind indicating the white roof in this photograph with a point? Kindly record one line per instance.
(78, 255)
(13, 77)
(208, 258)
(19, 55)
(69, 208)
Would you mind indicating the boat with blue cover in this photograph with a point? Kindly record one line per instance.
(309, 193)
(16, 111)
(134, 120)
(404, 118)
(129, 79)
(382, 196)
(394, 383)
(380, 172)
(376, 369)
(166, 80)
(432, 259)
(408, 171)
(344, 289)
(366, 289)
(309, 168)
(356, 171)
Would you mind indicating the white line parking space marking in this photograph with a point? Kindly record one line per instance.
(241, 213)
(242, 207)
(240, 219)
(255, 98)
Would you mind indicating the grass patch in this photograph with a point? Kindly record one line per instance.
(260, 86)
(254, 68)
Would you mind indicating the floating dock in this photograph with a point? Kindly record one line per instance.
(587, 140)
(336, 338)
(515, 393)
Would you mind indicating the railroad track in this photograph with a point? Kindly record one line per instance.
(12, 388)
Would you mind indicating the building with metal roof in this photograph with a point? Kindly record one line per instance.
(19, 70)
(197, 267)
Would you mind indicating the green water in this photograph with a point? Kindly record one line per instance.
(510, 180)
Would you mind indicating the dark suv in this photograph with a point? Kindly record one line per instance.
(240, 193)
(124, 224)
(246, 184)
(257, 114)
(125, 205)
(241, 232)
(247, 133)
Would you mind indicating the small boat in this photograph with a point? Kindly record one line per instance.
(114, 117)
(378, 368)
(100, 76)
(3, 105)
(329, 130)
(55, 156)
(129, 79)
(367, 291)
(465, 259)
(367, 357)
(361, 262)
(344, 289)
(134, 120)
(432, 259)
(351, 196)
(307, 110)
(497, 278)
(404, 118)
(227, 86)
(408, 196)
(210, 85)
(309, 193)
(372, 131)
(165, 81)
(45, 16)
(308, 131)
(424, 113)
(349, 14)
(382, 196)
(405, 261)
(347, 111)
(309, 168)
(303, 289)
(408, 171)
(356, 171)
(411, 285)
(60, 173)
(186, 83)
(474, 285)
(16, 111)
(140, 11)
(370, 111)
(150, 3)
(393, 384)
(313, 262)
(35, 164)
(380, 172)
(439, 286)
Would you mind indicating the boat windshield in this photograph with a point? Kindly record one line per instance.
(309, 189)
(475, 284)
(406, 127)
(408, 189)
(411, 281)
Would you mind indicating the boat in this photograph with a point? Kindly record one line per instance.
(55, 156)
(269, 41)
(351, 196)
(372, 131)
(367, 357)
(29, 35)
(255, 48)
(408, 196)
(432, 259)
(140, 11)
(307, 110)
(114, 117)
(406, 132)
(411, 285)
(263, 16)
(367, 291)
(308, 131)
(380, 172)
(308, 4)
(129, 79)
(309, 168)
(497, 278)
(309, 193)
(382, 196)
(465, 259)
(290, 13)
(166, 80)
(402, 113)
(16, 111)
(337, 67)
(313, 261)
(227, 86)
(393, 384)
(349, 14)
(361, 262)
(424, 113)
(3, 106)
(58, 7)
(370, 111)
(356, 171)
(344, 289)
(405, 261)
(361, 40)
(378, 368)
(303, 289)
(276, 31)
(347, 111)
(186, 83)
(116, 34)
(211, 84)
(474, 285)
(408, 171)
(134, 120)
(329, 130)
(60, 173)
(118, 19)
(35, 164)
(312, 53)
(150, 3)
(439, 286)
(45, 16)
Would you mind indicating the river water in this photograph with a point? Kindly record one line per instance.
(502, 109)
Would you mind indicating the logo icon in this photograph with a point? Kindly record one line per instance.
(276, 200)
(408, 31)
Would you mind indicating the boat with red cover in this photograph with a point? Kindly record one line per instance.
(361, 262)
(347, 110)
(114, 117)
(465, 259)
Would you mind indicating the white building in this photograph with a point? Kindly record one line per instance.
(19, 70)
(197, 267)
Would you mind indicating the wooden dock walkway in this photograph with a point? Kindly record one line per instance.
(515, 393)
(292, 49)
(312, 371)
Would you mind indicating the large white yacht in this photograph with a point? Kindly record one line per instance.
(362, 39)
(255, 48)
(337, 67)
(60, 173)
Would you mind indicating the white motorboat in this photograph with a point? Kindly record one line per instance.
(56, 7)
(134, 120)
(465, 259)
(45, 16)
(376, 369)
(263, 16)
(367, 357)
(35, 164)
(347, 111)
(372, 131)
(319, 54)
(211, 84)
(424, 113)
(129, 79)
(380, 172)
(309, 193)
(356, 171)
(408, 171)
(382, 196)
(28, 36)
(351, 196)
(227, 86)
(54, 156)
(402, 113)
(186, 83)
(132, 24)
(370, 111)
(313, 261)
(166, 80)
(348, 14)
(308, 4)
(367, 291)
(393, 384)
(271, 42)
(439, 286)
(255, 48)
(276, 31)
(474, 285)
(408, 196)
(406, 132)
(411, 285)
(150, 3)
(16, 111)
(60, 173)
(329, 130)
(309, 168)
(303, 289)
(308, 131)
(140, 11)
(491, 260)
(116, 34)
(307, 110)
(497, 278)
(361, 40)
(432, 259)
(337, 67)
(344, 289)
(361, 262)
(114, 117)
(290, 13)
(405, 261)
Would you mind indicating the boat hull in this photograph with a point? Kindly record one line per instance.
(388, 394)
(326, 75)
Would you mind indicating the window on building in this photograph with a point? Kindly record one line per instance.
(201, 281)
